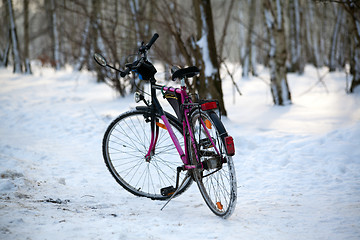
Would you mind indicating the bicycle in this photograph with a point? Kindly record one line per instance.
(139, 145)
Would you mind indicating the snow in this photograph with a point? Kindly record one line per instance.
(297, 166)
(203, 45)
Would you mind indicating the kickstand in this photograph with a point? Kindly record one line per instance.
(177, 190)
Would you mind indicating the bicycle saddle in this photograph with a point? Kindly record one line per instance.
(185, 73)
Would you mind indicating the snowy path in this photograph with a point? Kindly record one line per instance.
(297, 167)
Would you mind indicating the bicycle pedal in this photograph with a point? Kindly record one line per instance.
(167, 191)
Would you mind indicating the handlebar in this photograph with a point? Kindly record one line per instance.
(152, 40)
(126, 72)
(142, 66)
(142, 50)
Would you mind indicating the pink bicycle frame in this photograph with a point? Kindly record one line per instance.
(186, 124)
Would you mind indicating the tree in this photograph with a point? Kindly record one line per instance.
(209, 64)
(312, 35)
(249, 51)
(4, 54)
(14, 39)
(97, 43)
(296, 63)
(197, 32)
(26, 38)
(5, 32)
(83, 50)
(335, 40)
(353, 8)
(274, 17)
(55, 34)
(195, 44)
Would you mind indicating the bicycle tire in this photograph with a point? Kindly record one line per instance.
(125, 144)
(217, 180)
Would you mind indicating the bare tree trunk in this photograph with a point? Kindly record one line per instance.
(334, 41)
(295, 37)
(4, 54)
(14, 39)
(249, 53)
(55, 33)
(312, 45)
(197, 51)
(97, 44)
(26, 38)
(83, 50)
(210, 64)
(118, 84)
(323, 56)
(355, 63)
(242, 32)
(4, 58)
(225, 28)
(273, 12)
(134, 7)
(354, 11)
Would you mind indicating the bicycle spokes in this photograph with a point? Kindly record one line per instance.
(125, 145)
(216, 178)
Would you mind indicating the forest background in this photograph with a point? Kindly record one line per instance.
(283, 35)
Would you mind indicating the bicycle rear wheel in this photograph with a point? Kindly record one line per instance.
(217, 179)
(125, 144)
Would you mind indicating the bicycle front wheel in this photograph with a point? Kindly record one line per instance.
(217, 179)
(125, 145)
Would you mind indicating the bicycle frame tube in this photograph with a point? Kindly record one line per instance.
(154, 133)
(186, 124)
(174, 139)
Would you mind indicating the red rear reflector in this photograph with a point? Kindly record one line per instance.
(208, 106)
(230, 147)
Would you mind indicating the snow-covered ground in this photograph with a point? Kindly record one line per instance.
(298, 167)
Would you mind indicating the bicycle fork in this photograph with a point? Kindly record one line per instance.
(153, 140)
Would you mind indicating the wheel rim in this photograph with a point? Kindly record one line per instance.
(217, 186)
(216, 189)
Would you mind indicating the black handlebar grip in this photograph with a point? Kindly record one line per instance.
(152, 40)
(126, 72)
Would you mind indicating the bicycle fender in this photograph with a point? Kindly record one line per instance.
(218, 124)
